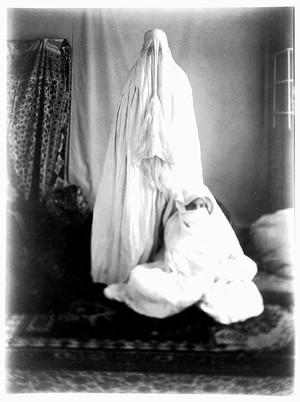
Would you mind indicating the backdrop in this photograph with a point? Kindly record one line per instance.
(223, 52)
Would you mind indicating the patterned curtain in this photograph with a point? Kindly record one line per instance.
(39, 100)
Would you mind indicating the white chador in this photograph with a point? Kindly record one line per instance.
(153, 158)
(202, 263)
(153, 164)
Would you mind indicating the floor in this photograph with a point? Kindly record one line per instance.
(49, 275)
(28, 381)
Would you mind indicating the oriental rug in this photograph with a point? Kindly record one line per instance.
(62, 381)
(107, 336)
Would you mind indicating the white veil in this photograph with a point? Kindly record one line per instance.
(153, 157)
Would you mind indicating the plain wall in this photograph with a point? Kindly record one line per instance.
(227, 76)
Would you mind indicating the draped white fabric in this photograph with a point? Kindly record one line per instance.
(203, 262)
(105, 47)
(153, 157)
(101, 62)
(220, 50)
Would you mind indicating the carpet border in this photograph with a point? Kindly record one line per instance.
(210, 363)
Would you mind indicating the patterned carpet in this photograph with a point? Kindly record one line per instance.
(103, 346)
(64, 336)
(29, 381)
(105, 324)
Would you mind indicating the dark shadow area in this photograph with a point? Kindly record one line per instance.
(48, 254)
(53, 305)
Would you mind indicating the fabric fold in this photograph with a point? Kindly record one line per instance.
(152, 159)
(202, 264)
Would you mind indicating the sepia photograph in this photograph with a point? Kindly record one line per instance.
(150, 211)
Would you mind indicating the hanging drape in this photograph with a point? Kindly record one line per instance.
(106, 44)
(39, 98)
(153, 157)
(221, 52)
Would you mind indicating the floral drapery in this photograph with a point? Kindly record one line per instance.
(39, 100)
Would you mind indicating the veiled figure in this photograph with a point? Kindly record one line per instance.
(202, 263)
(153, 159)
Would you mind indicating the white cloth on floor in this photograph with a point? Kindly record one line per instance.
(153, 157)
(203, 263)
(229, 302)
